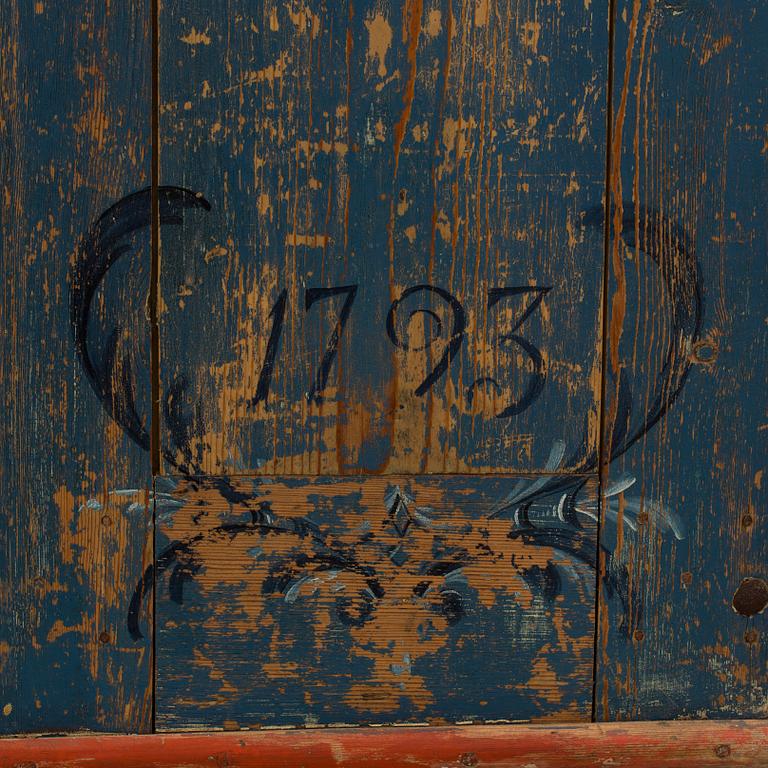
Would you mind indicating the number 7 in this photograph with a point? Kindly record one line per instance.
(317, 294)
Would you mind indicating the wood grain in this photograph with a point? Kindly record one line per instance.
(381, 229)
(685, 499)
(75, 525)
(631, 745)
(440, 599)
(375, 149)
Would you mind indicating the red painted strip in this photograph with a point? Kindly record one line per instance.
(628, 745)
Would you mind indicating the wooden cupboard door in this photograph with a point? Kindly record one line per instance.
(397, 465)
(380, 361)
(320, 601)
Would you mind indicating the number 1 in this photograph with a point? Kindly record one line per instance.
(277, 313)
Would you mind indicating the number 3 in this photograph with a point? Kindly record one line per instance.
(538, 377)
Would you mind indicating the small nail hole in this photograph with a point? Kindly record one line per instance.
(639, 635)
(750, 636)
(746, 521)
(687, 578)
(104, 638)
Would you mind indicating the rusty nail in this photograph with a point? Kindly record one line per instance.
(687, 578)
(723, 750)
(747, 521)
(750, 636)
(639, 635)
(106, 520)
(104, 637)
(751, 597)
(468, 759)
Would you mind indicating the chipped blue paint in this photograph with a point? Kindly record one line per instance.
(75, 517)
(308, 632)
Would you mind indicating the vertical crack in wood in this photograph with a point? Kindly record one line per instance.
(154, 280)
(603, 456)
(154, 299)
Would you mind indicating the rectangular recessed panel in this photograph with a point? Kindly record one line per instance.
(298, 601)
(387, 257)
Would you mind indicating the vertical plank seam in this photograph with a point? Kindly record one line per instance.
(154, 280)
(154, 296)
(603, 460)
(152, 622)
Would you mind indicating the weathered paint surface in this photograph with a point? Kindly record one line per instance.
(396, 271)
(382, 255)
(688, 333)
(74, 519)
(297, 601)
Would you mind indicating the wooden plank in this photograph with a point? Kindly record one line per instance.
(75, 525)
(687, 363)
(631, 745)
(440, 599)
(393, 275)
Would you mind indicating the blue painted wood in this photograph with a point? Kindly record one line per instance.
(382, 254)
(393, 269)
(306, 601)
(386, 264)
(684, 514)
(75, 523)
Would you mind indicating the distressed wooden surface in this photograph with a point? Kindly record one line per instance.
(688, 335)
(389, 269)
(74, 519)
(631, 745)
(298, 601)
(382, 254)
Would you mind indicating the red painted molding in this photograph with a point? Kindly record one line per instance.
(699, 744)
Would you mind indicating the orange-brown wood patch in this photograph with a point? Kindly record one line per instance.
(428, 599)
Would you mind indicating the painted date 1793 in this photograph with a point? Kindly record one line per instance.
(398, 317)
